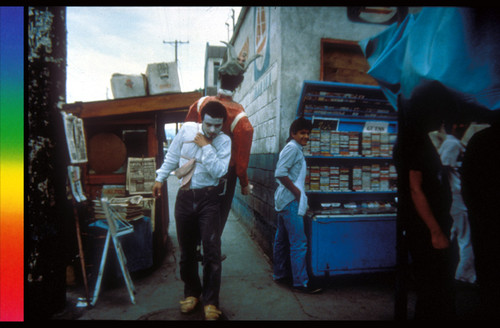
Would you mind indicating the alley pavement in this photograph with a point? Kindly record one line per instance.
(248, 291)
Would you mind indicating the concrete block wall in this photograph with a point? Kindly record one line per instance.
(259, 94)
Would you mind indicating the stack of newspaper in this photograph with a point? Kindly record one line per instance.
(129, 208)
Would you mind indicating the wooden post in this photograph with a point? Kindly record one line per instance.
(81, 253)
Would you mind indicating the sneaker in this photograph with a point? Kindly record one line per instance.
(212, 313)
(189, 304)
(307, 289)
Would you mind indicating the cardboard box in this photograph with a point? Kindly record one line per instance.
(162, 78)
(126, 86)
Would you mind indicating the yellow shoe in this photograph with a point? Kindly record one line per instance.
(212, 313)
(189, 304)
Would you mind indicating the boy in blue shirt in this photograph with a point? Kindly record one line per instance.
(291, 204)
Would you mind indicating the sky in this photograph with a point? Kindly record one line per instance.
(107, 40)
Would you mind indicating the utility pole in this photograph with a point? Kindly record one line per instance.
(227, 25)
(176, 42)
(232, 16)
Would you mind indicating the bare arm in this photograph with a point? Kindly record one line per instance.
(439, 239)
(157, 189)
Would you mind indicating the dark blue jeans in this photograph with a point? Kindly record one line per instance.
(197, 215)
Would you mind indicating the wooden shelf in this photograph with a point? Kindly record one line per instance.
(94, 179)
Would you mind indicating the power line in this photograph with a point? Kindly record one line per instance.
(176, 42)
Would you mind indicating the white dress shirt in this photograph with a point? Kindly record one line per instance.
(212, 160)
(450, 152)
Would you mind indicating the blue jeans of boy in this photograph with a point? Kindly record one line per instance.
(290, 242)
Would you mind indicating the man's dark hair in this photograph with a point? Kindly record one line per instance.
(230, 82)
(456, 119)
(299, 124)
(214, 109)
(431, 104)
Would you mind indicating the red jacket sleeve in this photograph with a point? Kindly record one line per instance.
(242, 144)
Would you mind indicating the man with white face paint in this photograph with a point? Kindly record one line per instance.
(211, 126)
(237, 126)
(200, 155)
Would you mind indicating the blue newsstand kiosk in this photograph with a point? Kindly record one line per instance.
(351, 181)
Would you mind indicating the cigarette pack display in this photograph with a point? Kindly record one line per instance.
(314, 179)
(307, 148)
(335, 143)
(344, 144)
(344, 178)
(315, 142)
(375, 144)
(334, 178)
(349, 144)
(393, 177)
(325, 142)
(357, 182)
(351, 184)
(366, 144)
(324, 178)
(375, 177)
(366, 177)
(353, 143)
(384, 177)
(384, 145)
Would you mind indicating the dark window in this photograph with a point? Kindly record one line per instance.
(216, 72)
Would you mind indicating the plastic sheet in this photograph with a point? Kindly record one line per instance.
(458, 47)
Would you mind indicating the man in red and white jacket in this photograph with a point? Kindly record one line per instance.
(237, 126)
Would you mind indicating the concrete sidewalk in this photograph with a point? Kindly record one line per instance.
(247, 291)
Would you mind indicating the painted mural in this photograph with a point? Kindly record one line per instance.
(261, 41)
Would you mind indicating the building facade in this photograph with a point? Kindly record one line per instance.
(296, 44)
(213, 59)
